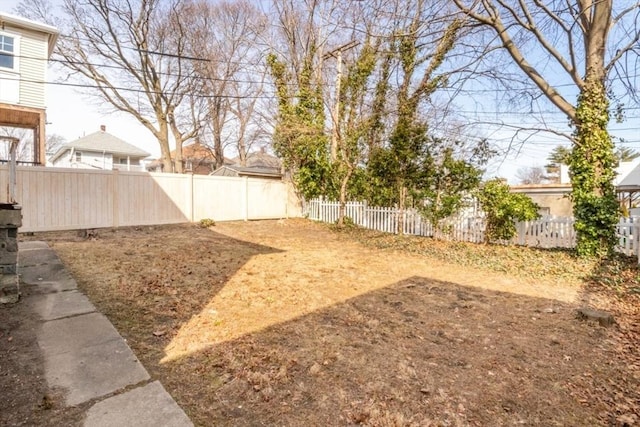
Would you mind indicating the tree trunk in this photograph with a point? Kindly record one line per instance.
(343, 196)
(592, 168)
(215, 110)
(178, 138)
(242, 153)
(583, 36)
(401, 208)
(162, 135)
(179, 163)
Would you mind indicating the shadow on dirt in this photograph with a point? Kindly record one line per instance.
(414, 353)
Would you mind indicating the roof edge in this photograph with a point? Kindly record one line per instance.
(30, 24)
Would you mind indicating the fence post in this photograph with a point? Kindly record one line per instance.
(636, 240)
(522, 229)
(190, 199)
(114, 197)
(245, 198)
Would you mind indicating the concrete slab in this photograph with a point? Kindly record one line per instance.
(86, 356)
(54, 276)
(38, 256)
(36, 244)
(83, 353)
(61, 304)
(148, 406)
(93, 372)
(74, 333)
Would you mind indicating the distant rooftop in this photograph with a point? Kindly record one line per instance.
(102, 141)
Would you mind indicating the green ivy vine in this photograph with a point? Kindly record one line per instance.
(592, 166)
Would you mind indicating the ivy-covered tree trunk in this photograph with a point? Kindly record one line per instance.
(592, 168)
(402, 206)
(343, 196)
(558, 41)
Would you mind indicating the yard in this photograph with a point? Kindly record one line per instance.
(291, 323)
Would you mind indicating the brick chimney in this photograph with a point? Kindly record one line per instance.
(103, 128)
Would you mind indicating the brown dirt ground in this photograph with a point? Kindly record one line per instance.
(287, 323)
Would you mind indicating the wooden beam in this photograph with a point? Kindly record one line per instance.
(39, 147)
(27, 118)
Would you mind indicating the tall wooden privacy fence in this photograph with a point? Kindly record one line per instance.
(67, 199)
(546, 232)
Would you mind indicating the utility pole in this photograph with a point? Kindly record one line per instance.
(335, 113)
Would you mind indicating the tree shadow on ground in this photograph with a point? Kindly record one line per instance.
(418, 352)
(153, 286)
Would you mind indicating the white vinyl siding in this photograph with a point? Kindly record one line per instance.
(26, 80)
(83, 159)
(33, 69)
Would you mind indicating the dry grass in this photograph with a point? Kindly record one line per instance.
(267, 323)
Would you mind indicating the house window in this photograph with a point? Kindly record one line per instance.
(7, 51)
(78, 156)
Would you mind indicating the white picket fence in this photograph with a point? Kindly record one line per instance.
(546, 232)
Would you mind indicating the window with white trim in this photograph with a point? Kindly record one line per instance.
(7, 51)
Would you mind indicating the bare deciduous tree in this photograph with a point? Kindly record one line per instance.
(531, 175)
(24, 152)
(130, 54)
(231, 79)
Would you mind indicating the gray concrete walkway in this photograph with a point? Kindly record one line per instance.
(85, 355)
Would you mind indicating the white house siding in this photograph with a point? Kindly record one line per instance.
(31, 53)
(33, 69)
(90, 160)
(9, 88)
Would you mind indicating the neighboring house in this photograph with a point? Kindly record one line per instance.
(553, 199)
(259, 164)
(25, 47)
(259, 159)
(238, 171)
(99, 150)
(628, 186)
(197, 158)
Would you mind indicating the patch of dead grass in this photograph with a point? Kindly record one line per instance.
(288, 323)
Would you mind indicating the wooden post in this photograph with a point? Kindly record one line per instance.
(39, 135)
(335, 112)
